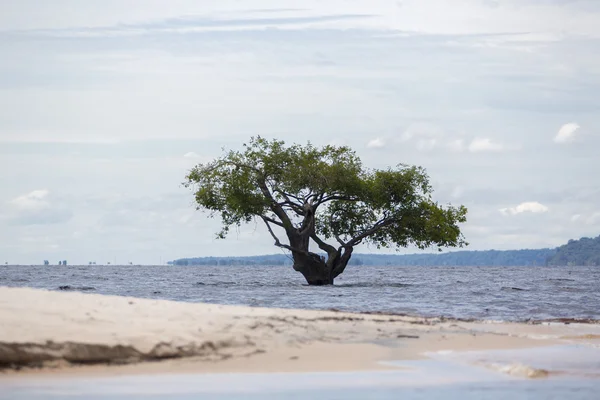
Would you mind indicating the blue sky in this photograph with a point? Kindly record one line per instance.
(104, 106)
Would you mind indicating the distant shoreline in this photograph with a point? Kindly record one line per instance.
(216, 265)
(585, 251)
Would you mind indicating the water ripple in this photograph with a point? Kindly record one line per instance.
(499, 293)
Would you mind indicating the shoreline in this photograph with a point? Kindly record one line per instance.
(55, 333)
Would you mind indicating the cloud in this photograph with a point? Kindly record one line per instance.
(484, 144)
(422, 130)
(456, 145)
(32, 201)
(426, 144)
(594, 219)
(530, 206)
(191, 154)
(183, 24)
(426, 136)
(376, 143)
(586, 219)
(297, 75)
(566, 133)
(35, 208)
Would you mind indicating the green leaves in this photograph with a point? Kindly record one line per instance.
(325, 192)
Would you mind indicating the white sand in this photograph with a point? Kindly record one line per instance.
(49, 329)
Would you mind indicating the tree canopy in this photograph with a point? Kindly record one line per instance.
(324, 197)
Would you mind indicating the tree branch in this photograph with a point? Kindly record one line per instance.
(343, 262)
(275, 206)
(325, 199)
(278, 242)
(308, 223)
(329, 249)
(335, 234)
(287, 196)
(239, 165)
(271, 220)
(379, 225)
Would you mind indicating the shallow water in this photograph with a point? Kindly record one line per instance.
(423, 379)
(573, 360)
(189, 387)
(500, 293)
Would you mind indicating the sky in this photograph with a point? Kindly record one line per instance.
(105, 105)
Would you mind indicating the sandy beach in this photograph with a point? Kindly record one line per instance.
(74, 333)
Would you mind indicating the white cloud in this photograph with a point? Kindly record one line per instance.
(191, 154)
(566, 133)
(376, 143)
(484, 144)
(586, 219)
(456, 145)
(35, 208)
(426, 136)
(426, 144)
(33, 201)
(593, 219)
(530, 206)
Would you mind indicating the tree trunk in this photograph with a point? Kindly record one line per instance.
(317, 270)
(314, 268)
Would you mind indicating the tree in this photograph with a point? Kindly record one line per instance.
(319, 196)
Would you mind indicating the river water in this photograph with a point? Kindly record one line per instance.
(491, 293)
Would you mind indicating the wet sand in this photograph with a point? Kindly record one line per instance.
(44, 332)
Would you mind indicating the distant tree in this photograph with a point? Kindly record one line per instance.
(46, 262)
(64, 262)
(318, 195)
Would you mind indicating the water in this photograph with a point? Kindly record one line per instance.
(194, 387)
(498, 293)
(422, 379)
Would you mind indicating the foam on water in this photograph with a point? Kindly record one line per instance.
(520, 370)
(572, 360)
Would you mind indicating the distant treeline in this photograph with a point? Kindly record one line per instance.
(271, 259)
(459, 258)
(585, 251)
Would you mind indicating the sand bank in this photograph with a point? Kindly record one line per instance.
(55, 331)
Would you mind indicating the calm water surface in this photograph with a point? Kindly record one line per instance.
(500, 293)
(424, 379)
